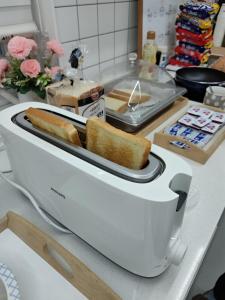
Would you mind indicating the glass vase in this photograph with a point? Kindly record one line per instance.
(29, 97)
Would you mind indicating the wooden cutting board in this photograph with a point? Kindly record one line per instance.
(44, 269)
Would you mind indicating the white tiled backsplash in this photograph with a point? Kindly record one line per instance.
(107, 27)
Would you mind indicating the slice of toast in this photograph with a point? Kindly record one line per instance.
(116, 145)
(115, 104)
(129, 95)
(53, 124)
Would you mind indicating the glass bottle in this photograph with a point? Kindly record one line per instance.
(150, 48)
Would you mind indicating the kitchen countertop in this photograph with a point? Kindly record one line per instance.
(205, 206)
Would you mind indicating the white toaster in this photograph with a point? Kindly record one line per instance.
(132, 217)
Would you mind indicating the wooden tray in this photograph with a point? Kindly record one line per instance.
(163, 116)
(193, 152)
(82, 278)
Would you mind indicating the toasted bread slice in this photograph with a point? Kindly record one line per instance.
(116, 145)
(129, 95)
(53, 124)
(115, 104)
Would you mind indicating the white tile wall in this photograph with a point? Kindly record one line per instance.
(105, 1)
(67, 18)
(68, 48)
(90, 73)
(121, 15)
(106, 64)
(121, 42)
(82, 2)
(88, 23)
(92, 57)
(64, 2)
(106, 47)
(120, 59)
(106, 17)
(107, 27)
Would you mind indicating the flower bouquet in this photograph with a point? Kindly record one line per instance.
(22, 71)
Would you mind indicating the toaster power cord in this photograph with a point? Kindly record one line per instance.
(30, 197)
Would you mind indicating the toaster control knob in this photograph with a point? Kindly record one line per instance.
(177, 252)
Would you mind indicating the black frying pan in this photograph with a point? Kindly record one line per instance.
(197, 79)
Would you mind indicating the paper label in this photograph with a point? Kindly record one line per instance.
(211, 127)
(201, 122)
(187, 120)
(218, 117)
(96, 108)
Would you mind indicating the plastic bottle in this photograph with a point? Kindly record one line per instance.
(150, 48)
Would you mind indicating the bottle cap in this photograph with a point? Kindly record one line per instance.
(151, 35)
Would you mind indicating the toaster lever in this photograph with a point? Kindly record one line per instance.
(181, 200)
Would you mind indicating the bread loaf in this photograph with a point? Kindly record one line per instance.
(116, 145)
(70, 95)
(53, 124)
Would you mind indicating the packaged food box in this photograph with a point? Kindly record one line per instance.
(83, 97)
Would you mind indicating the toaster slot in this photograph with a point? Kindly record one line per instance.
(154, 167)
(81, 128)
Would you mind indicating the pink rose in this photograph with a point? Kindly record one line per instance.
(32, 44)
(55, 47)
(19, 47)
(4, 66)
(53, 71)
(30, 68)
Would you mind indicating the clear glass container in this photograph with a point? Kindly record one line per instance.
(135, 91)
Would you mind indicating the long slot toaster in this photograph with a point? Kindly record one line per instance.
(154, 167)
(132, 217)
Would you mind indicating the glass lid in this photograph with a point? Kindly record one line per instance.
(133, 89)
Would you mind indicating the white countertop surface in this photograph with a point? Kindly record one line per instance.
(204, 208)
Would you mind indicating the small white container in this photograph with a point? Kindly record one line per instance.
(215, 96)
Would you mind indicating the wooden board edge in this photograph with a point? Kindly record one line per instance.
(200, 155)
(216, 144)
(79, 275)
(218, 51)
(163, 140)
(3, 223)
(140, 27)
(180, 103)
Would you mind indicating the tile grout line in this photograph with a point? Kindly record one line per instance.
(58, 6)
(98, 38)
(105, 61)
(128, 33)
(78, 22)
(102, 34)
(114, 27)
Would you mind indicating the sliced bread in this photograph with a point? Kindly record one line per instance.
(129, 95)
(115, 104)
(53, 124)
(116, 145)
